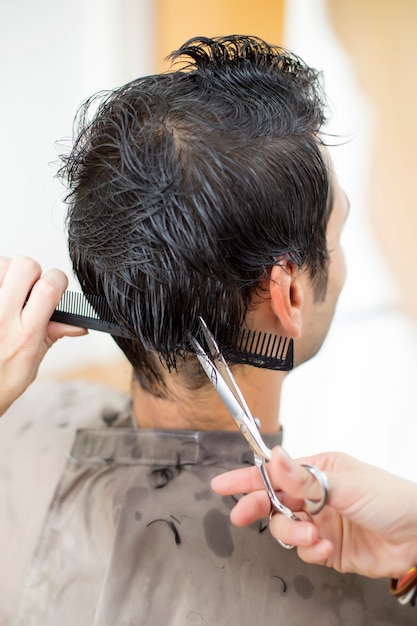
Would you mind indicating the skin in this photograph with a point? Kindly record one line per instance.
(353, 531)
(26, 334)
(368, 526)
(291, 310)
(317, 316)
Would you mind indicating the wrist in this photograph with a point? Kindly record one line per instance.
(405, 588)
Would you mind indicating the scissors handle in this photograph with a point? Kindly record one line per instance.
(223, 381)
(229, 392)
(275, 501)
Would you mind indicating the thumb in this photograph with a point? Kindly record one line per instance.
(293, 478)
(57, 330)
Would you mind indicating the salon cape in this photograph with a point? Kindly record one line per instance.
(116, 526)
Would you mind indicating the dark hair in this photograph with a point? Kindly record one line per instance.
(185, 188)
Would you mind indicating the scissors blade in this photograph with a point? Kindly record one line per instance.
(222, 366)
(223, 381)
(243, 420)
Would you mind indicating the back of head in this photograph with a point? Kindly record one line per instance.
(185, 188)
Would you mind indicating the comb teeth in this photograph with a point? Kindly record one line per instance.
(238, 345)
(254, 347)
(87, 311)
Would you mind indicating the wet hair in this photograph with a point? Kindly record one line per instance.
(185, 188)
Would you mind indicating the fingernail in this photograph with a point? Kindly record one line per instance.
(303, 534)
(78, 332)
(286, 460)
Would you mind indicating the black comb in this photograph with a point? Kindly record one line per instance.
(89, 311)
(238, 345)
(255, 347)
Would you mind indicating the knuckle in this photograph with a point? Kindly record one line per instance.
(49, 290)
(27, 263)
(27, 267)
(28, 339)
(4, 262)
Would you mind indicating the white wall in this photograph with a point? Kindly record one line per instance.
(359, 394)
(54, 54)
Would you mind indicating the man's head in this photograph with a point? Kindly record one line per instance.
(187, 188)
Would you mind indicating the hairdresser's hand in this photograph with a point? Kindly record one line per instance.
(369, 525)
(25, 330)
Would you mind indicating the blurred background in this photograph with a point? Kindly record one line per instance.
(360, 393)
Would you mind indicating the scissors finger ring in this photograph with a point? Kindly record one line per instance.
(223, 381)
(287, 546)
(315, 506)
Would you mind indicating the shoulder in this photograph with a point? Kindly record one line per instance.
(36, 436)
(63, 404)
(37, 433)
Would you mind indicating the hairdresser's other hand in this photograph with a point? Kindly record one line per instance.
(26, 333)
(368, 527)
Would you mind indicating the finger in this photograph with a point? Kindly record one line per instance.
(318, 553)
(285, 474)
(17, 282)
(352, 483)
(293, 478)
(43, 299)
(4, 266)
(297, 533)
(250, 508)
(57, 330)
(257, 505)
(304, 535)
(242, 480)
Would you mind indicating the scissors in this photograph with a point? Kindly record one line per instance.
(223, 381)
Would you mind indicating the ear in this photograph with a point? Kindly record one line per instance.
(286, 297)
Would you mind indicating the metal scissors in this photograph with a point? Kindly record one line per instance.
(223, 381)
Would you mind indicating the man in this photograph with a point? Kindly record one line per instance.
(206, 191)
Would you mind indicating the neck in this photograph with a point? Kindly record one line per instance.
(203, 409)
